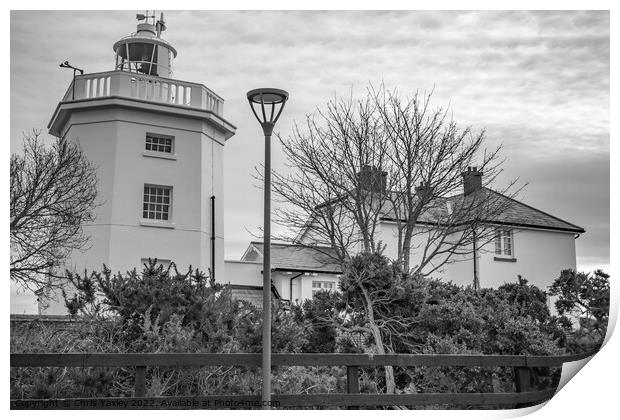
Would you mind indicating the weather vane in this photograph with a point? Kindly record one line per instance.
(160, 25)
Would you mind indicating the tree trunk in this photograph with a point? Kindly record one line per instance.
(390, 383)
(407, 248)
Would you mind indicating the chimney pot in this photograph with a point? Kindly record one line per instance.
(372, 179)
(422, 190)
(472, 180)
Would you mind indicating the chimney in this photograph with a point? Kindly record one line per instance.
(372, 179)
(423, 191)
(472, 180)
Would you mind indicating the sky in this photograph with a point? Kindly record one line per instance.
(538, 82)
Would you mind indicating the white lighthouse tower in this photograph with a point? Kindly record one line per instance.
(158, 145)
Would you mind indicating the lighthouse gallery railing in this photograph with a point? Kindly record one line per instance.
(146, 88)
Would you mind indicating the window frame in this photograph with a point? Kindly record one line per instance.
(159, 153)
(321, 283)
(146, 220)
(504, 238)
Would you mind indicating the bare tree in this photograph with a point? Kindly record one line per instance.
(53, 194)
(332, 193)
(384, 158)
(428, 153)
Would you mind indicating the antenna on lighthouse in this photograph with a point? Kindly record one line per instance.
(160, 25)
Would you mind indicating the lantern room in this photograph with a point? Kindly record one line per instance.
(145, 51)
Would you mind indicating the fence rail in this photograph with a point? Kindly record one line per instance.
(522, 366)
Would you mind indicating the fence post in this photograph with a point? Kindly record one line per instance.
(523, 381)
(140, 382)
(353, 383)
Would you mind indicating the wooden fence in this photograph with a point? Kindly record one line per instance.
(522, 365)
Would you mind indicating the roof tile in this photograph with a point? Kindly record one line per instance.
(301, 258)
(514, 213)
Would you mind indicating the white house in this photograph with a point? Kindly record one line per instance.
(158, 145)
(298, 272)
(527, 242)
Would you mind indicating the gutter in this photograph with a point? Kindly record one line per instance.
(577, 229)
(306, 270)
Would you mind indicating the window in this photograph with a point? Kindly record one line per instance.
(321, 285)
(159, 143)
(157, 202)
(503, 242)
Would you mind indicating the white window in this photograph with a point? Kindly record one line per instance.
(504, 243)
(157, 204)
(159, 143)
(322, 285)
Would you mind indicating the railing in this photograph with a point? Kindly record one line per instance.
(522, 365)
(146, 88)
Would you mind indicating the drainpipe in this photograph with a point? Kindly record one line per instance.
(213, 237)
(476, 281)
(290, 287)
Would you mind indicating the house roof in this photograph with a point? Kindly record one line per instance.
(521, 214)
(251, 294)
(513, 213)
(289, 257)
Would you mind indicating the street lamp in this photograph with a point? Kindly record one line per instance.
(270, 103)
(66, 65)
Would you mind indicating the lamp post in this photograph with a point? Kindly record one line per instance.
(66, 65)
(270, 103)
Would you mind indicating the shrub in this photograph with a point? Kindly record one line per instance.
(161, 310)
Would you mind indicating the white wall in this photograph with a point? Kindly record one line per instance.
(242, 273)
(302, 286)
(540, 256)
(387, 233)
(245, 273)
(113, 138)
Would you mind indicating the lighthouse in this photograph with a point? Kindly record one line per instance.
(158, 145)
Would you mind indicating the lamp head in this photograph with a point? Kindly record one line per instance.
(267, 99)
(268, 96)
